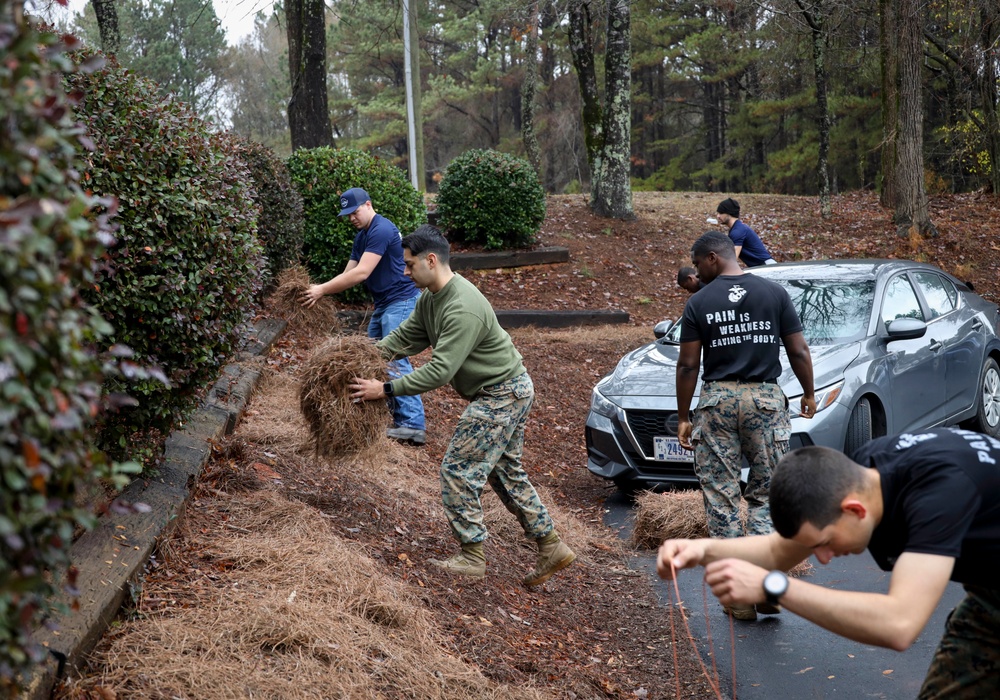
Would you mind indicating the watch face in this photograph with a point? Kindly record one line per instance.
(775, 584)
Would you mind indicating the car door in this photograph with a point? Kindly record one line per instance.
(959, 328)
(914, 368)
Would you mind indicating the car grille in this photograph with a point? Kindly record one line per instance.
(645, 425)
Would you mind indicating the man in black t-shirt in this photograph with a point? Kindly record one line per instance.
(737, 323)
(927, 507)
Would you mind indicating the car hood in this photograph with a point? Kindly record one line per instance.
(650, 372)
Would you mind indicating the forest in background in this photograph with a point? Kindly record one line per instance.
(724, 95)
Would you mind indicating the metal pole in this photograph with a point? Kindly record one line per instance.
(411, 129)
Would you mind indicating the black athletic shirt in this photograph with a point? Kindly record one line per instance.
(740, 321)
(941, 495)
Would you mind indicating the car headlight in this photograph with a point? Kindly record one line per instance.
(825, 397)
(601, 405)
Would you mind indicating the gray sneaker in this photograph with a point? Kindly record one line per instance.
(410, 435)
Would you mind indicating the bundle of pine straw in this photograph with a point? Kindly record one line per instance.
(338, 426)
(678, 515)
(286, 302)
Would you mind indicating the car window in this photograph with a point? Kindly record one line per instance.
(900, 301)
(939, 293)
(831, 311)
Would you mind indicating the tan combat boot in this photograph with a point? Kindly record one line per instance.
(553, 555)
(471, 561)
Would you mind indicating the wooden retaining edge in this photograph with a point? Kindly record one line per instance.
(509, 258)
(519, 318)
(111, 558)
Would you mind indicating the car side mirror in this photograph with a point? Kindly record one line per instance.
(662, 328)
(906, 329)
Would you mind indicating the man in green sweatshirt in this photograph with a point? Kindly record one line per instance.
(473, 353)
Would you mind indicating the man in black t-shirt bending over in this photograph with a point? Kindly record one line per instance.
(738, 323)
(927, 507)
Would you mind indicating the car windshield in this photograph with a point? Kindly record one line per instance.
(831, 311)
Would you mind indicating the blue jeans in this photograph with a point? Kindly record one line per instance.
(407, 411)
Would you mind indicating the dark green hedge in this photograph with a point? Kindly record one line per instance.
(181, 282)
(280, 225)
(491, 198)
(321, 174)
(50, 377)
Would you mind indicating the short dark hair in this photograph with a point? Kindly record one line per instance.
(714, 242)
(684, 273)
(808, 486)
(428, 239)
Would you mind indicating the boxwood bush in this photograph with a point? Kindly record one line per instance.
(280, 222)
(181, 281)
(491, 198)
(50, 375)
(320, 175)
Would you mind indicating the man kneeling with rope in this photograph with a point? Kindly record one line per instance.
(927, 507)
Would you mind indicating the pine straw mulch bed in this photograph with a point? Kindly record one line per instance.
(292, 576)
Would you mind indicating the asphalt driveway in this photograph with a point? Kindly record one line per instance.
(783, 656)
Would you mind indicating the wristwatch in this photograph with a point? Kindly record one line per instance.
(775, 586)
(387, 388)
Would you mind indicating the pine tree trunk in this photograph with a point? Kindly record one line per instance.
(815, 19)
(308, 115)
(889, 51)
(912, 211)
(611, 186)
(581, 46)
(418, 111)
(107, 24)
(528, 90)
(990, 41)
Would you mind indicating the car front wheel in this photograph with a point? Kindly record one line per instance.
(859, 429)
(988, 412)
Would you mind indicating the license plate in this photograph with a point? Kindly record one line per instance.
(668, 449)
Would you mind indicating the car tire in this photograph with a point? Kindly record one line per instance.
(987, 420)
(859, 428)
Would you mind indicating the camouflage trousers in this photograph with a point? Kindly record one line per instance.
(735, 420)
(966, 665)
(487, 448)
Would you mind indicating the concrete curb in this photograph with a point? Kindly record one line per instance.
(111, 558)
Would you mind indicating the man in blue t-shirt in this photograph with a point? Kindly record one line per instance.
(927, 508)
(749, 247)
(377, 262)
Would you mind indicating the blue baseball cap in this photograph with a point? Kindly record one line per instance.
(351, 200)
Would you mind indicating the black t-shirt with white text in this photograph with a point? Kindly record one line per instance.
(941, 495)
(740, 321)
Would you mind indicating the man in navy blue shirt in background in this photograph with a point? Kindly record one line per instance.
(749, 247)
(377, 262)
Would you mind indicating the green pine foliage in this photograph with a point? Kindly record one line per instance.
(280, 226)
(491, 198)
(180, 284)
(320, 175)
(50, 376)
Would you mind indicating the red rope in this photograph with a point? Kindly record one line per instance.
(713, 678)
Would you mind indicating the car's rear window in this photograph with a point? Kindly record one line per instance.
(832, 311)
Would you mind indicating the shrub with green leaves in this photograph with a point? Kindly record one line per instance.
(181, 282)
(491, 198)
(50, 375)
(321, 174)
(280, 224)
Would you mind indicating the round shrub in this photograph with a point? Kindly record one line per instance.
(491, 198)
(280, 224)
(50, 377)
(320, 175)
(181, 282)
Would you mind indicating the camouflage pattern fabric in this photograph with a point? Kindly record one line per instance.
(966, 665)
(733, 420)
(486, 448)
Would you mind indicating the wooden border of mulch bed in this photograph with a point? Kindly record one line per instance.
(544, 255)
(519, 318)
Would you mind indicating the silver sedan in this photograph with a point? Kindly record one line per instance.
(896, 346)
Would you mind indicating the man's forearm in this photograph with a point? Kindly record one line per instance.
(687, 380)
